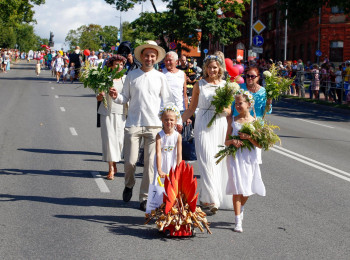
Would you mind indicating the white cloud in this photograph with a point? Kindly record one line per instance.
(61, 16)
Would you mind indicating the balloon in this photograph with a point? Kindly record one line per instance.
(239, 80)
(86, 52)
(232, 71)
(228, 62)
(240, 68)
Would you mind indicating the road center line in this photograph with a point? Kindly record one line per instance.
(314, 123)
(52, 88)
(100, 183)
(63, 109)
(56, 96)
(311, 164)
(72, 131)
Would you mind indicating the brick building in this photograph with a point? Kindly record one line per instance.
(330, 33)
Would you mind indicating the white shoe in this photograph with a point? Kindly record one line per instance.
(238, 225)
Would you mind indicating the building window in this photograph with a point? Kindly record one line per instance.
(269, 21)
(294, 52)
(301, 51)
(308, 51)
(336, 51)
(337, 10)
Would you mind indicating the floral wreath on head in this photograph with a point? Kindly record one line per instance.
(214, 57)
(248, 95)
(169, 108)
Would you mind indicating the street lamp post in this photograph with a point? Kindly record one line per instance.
(120, 27)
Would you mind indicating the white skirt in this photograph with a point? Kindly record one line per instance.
(244, 174)
(112, 133)
(213, 180)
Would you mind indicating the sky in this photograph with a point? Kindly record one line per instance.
(60, 16)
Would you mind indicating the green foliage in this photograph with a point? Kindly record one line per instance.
(300, 11)
(275, 84)
(184, 18)
(14, 16)
(223, 98)
(88, 37)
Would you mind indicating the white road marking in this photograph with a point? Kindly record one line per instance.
(56, 96)
(72, 131)
(311, 122)
(52, 88)
(63, 109)
(313, 163)
(100, 182)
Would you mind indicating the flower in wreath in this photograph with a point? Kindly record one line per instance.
(169, 108)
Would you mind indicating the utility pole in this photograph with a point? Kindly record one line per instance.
(251, 24)
(285, 36)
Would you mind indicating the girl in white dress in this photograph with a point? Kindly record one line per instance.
(244, 171)
(113, 122)
(213, 179)
(168, 143)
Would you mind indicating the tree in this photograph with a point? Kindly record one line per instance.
(300, 11)
(109, 36)
(184, 19)
(13, 16)
(125, 5)
(86, 36)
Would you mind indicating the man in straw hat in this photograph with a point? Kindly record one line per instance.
(144, 88)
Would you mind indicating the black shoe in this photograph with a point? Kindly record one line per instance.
(143, 205)
(127, 194)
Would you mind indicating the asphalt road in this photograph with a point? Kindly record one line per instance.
(55, 205)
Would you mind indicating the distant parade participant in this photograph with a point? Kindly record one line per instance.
(75, 58)
(37, 68)
(58, 66)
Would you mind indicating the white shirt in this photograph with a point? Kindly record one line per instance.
(92, 59)
(176, 82)
(145, 91)
(98, 61)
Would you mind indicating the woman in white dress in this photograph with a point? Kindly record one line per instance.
(214, 176)
(113, 121)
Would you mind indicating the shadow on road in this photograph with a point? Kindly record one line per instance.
(122, 225)
(71, 201)
(304, 110)
(50, 151)
(62, 173)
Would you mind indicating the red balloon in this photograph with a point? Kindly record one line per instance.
(86, 52)
(232, 71)
(228, 62)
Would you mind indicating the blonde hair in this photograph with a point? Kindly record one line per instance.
(222, 57)
(206, 64)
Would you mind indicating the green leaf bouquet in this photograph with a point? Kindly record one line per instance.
(100, 79)
(275, 84)
(223, 98)
(260, 131)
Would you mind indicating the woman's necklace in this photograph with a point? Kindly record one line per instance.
(254, 89)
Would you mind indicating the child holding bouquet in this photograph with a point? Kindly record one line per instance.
(168, 150)
(243, 169)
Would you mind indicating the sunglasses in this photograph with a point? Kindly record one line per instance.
(248, 76)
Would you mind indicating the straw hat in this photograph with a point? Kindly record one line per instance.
(150, 45)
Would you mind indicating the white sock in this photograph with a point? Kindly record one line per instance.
(238, 219)
(242, 209)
